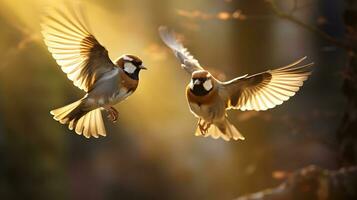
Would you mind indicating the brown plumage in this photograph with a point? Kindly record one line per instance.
(209, 98)
(86, 62)
(127, 82)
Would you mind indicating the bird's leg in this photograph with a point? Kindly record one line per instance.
(204, 126)
(112, 113)
(207, 125)
(201, 126)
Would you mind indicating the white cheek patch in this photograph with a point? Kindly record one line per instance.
(129, 67)
(207, 85)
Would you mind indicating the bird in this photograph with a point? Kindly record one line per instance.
(209, 99)
(86, 63)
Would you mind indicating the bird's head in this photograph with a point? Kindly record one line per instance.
(131, 65)
(201, 83)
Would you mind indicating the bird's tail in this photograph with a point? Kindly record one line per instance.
(225, 130)
(83, 121)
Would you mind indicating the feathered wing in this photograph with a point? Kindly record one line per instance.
(188, 62)
(268, 89)
(83, 59)
(73, 47)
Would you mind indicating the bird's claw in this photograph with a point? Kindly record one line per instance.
(112, 114)
(204, 127)
(201, 127)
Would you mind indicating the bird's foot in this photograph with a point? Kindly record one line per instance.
(204, 127)
(201, 127)
(207, 126)
(113, 114)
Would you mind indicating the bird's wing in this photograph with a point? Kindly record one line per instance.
(267, 89)
(73, 46)
(188, 62)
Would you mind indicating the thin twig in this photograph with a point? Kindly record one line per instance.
(278, 12)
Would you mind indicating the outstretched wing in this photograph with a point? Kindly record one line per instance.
(73, 47)
(188, 62)
(266, 90)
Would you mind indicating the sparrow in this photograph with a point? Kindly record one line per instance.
(209, 98)
(86, 62)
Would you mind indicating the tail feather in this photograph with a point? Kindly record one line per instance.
(83, 122)
(91, 124)
(225, 130)
(60, 114)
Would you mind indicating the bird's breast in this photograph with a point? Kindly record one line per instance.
(126, 86)
(209, 98)
(127, 82)
(121, 94)
(208, 107)
(209, 113)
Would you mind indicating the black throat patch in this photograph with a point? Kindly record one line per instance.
(134, 75)
(199, 90)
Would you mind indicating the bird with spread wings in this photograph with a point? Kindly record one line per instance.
(86, 62)
(209, 98)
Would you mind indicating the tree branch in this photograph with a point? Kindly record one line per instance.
(284, 15)
(313, 183)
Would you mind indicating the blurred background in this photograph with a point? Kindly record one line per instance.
(151, 152)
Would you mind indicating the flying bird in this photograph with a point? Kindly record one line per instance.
(209, 99)
(86, 62)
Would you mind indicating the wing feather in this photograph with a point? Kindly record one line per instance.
(74, 48)
(188, 62)
(268, 89)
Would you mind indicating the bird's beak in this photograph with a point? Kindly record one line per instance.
(196, 82)
(143, 67)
